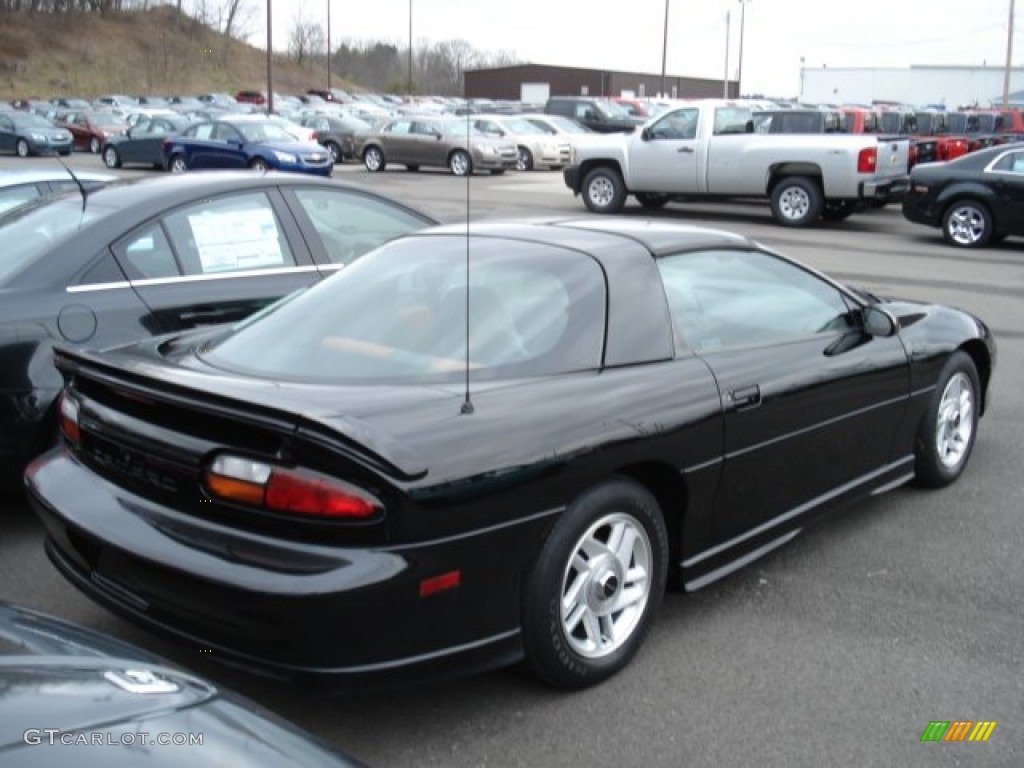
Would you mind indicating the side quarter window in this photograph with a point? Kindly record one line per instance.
(730, 298)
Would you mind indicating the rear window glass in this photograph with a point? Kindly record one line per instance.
(30, 231)
(400, 313)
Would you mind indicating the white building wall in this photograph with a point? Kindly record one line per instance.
(952, 86)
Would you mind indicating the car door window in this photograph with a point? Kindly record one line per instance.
(351, 224)
(680, 124)
(6, 124)
(400, 127)
(732, 298)
(230, 234)
(203, 132)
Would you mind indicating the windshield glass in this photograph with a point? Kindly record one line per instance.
(263, 132)
(611, 109)
(399, 313)
(29, 231)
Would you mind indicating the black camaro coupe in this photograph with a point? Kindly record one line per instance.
(976, 199)
(468, 449)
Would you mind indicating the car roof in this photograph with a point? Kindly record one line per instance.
(9, 178)
(595, 235)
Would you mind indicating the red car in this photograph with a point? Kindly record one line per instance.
(251, 97)
(90, 130)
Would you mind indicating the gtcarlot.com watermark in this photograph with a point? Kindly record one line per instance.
(106, 738)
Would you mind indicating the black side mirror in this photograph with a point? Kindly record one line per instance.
(645, 134)
(878, 322)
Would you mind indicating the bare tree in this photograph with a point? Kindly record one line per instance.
(306, 39)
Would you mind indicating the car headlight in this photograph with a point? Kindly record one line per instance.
(285, 157)
(39, 137)
(487, 149)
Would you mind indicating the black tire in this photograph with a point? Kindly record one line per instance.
(945, 437)
(967, 224)
(603, 190)
(651, 200)
(413, 168)
(460, 163)
(111, 158)
(94, 145)
(524, 159)
(334, 150)
(497, 171)
(797, 201)
(22, 148)
(837, 210)
(562, 649)
(373, 159)
(259, 164)
(65, 153)
(177, 164)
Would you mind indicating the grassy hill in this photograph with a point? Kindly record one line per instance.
(153, 52)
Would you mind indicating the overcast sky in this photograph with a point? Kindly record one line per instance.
(628, 35)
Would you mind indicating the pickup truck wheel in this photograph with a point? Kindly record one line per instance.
(651, 200)
(968, 224)
(796, 201)
(604, 191)
(837, 210)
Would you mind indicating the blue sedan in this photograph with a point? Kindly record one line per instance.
(240, 142)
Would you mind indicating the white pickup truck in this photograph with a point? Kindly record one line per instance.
(706, 150)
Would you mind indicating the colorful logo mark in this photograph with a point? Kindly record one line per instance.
(958, 730)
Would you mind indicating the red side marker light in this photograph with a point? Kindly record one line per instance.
(436, 584)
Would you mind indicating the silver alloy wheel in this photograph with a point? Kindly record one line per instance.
(178, 164)
(966, 225)
(22, 148)
(601, 191)
(94, 145)
(335, 152)
(259, 164)
(373, 159)
(794, 203)
(110, 157)
(459, 164)
(606, 585)
(954, 425)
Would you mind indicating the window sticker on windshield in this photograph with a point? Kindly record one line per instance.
(233, 240)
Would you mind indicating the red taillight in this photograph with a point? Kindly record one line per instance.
(256, 483)
(867, 160)
(67, 415)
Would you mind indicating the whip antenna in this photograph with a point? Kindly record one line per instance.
(467, 403)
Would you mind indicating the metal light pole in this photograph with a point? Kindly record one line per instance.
(270, 65)
(1009, 59)
(664, 51)
(410, 47)
(725, 75)
(739, 72)
(328, 45)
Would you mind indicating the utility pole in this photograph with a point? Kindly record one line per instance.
(410, 47)
(725, 76)
(1009, 59)
(270, 65)
(739, 72)
(664, 51)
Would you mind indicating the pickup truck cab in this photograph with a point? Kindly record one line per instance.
(707, 150)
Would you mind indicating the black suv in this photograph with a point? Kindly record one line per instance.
(599, 115)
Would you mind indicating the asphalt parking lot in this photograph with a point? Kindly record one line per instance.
(837, 650)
